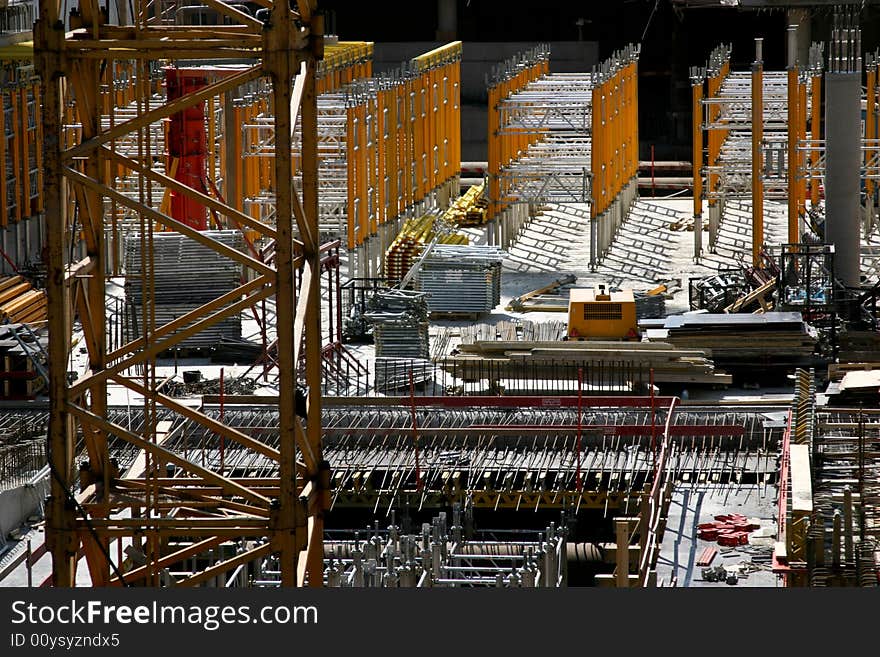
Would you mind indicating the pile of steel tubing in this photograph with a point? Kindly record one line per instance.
(400, 323)
(415, 234)
(439, 556)
(462, 279)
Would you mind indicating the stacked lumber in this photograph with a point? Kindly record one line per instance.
(852, 384)
(549, 331)
(671, 364)
(469, 209)
(20, 302)
(745, 343)
(407, 247)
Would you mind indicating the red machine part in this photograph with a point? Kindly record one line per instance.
(186, 143)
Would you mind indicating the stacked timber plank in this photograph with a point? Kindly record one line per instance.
(670, 364)
(20, 302)
(527, 330)
(186, 276)
(449, 338)
(462, 279)
(743, 341)
(407, 247)
(469, 209)
(852, 384)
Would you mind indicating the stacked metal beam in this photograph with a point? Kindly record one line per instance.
(462, 279)
(400, 323)
(185, 276)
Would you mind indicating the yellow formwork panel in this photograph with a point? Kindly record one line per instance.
(4, 210)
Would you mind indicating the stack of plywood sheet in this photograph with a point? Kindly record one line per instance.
(740, 342)
(20, 302)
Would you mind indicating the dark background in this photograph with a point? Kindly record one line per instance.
(677, 34)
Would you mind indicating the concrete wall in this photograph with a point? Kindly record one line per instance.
(478, 58)
(16, 504)
(22, 243)
(842, 164)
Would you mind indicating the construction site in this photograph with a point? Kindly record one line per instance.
(281, 306)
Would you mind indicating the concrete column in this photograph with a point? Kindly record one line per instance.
(835, 540)
(621, 530)
(849, 554)
(714, 223)
(122, 12)
(842, 164)
(447, 20)
(802, 19)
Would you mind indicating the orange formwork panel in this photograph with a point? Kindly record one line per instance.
(361, 174)
(4, 209)
(371, 168)
(351, 154)
(815, 132)
(801, 158)
(381, 157)
(16, 153)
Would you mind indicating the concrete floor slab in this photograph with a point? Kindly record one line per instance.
(692, 505)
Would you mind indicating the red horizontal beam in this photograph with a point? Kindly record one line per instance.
(660, 403)
(684, 430)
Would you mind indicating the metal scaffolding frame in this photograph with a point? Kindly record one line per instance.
(829, 501)
(111, 505)
(563, 138)
(388, 147)
(744, 161)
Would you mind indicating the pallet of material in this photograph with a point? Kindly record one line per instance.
(859, 346)
(836, 371)
(738, 338)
